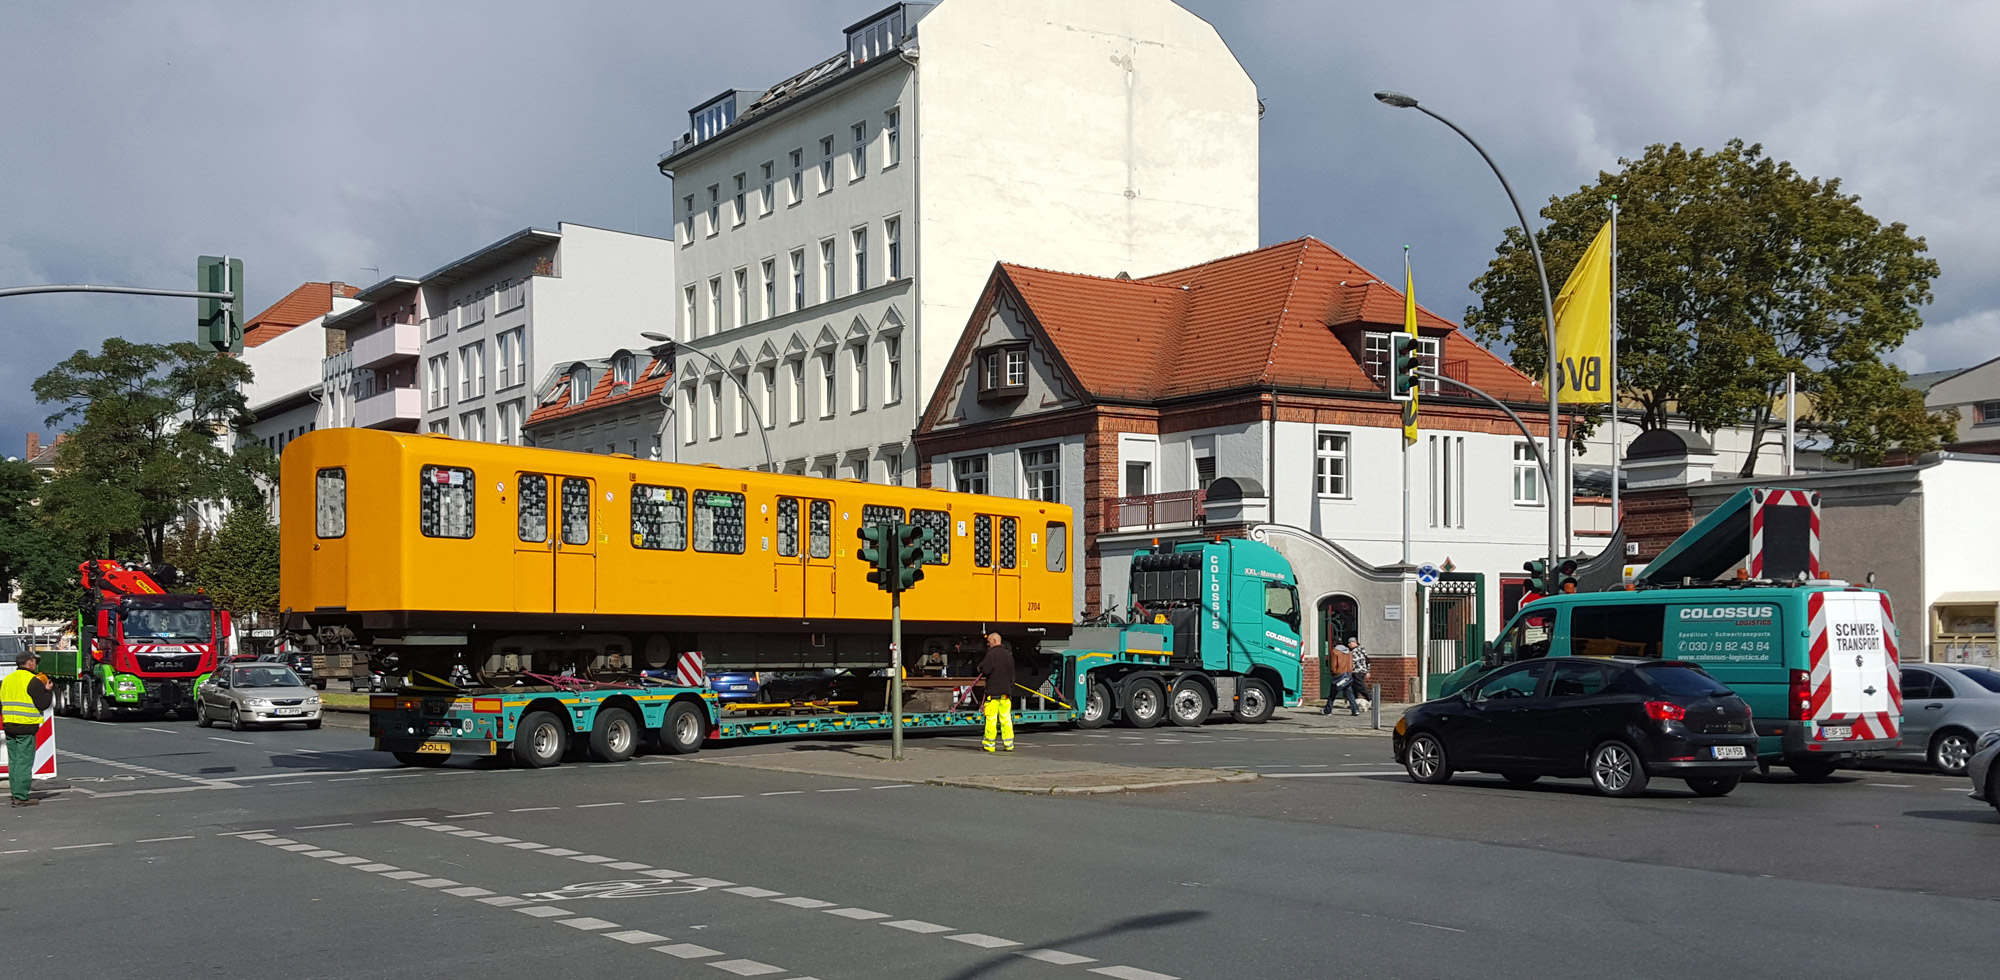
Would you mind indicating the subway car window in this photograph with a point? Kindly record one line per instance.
(444, 501)
(1058, 559)
(332, 499)
(1008, 536)
(659, 518)
(819, 529)
(532, 502)
(881, 514)
(788, 527)
(576, 510)
(940, 524)
(982, 541)
(718, 522)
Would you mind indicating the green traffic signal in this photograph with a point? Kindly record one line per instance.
(220, 322)
(1403, 364)
(879, 540)
(914, 546)
(1538, 576)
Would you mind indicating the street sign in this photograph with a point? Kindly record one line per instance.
(1427, 574)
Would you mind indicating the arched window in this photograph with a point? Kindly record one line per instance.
(624, 370)
(579, 384)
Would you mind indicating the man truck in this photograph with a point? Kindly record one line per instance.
(138, 647)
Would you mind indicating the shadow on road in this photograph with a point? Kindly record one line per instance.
(1157, 920)
(1981, 815)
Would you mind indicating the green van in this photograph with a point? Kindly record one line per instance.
(1815, 661)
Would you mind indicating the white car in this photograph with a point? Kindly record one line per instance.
(245, 694)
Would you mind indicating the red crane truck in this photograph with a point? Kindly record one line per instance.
(138, 647)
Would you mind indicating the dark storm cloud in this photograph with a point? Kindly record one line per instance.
(317, 139)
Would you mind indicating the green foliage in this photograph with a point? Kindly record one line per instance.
(146, 447)
(239, 568)
(1733, 270)
(34, 555)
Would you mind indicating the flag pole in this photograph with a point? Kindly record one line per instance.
(1617, 516)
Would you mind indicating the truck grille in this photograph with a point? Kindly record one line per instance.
(163, 664)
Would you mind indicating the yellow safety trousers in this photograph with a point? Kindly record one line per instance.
(999, 724)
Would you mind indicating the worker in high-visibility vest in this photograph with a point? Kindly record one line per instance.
(998, 669)
(24, 695)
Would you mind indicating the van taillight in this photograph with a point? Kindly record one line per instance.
(1665, 711)
(1801, 696)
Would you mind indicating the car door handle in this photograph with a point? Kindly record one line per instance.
(1932, 707)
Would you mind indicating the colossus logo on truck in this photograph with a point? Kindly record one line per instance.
(1743, 615)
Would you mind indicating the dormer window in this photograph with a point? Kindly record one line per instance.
(579, 385)
(875, 37)
(1003, 371)
(1375, 358)
(712, 118)
(624, 370)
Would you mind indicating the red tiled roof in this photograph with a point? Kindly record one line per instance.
(301, 305)
(1276, 316)
(652, 380)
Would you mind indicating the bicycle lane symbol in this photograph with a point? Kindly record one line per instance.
(644, 888)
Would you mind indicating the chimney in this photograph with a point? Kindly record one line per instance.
(34, 445)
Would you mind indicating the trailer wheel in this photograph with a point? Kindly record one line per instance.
(615, 736)
(540, 740)
(683, 729)
(1254, 702)
(1190, 704)
(1145, 702)
(1096, 706)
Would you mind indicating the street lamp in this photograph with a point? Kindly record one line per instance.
(770, 462)
(1556, 544)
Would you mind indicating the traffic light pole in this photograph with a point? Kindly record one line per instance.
(1541, 463)
(896, 675)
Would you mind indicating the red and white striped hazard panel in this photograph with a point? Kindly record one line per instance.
(45, 749)
(689, 671)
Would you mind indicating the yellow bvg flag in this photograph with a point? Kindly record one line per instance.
(1583, 328)
(1410, 327)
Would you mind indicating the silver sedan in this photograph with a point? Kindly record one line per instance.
(1985, 769)
(1946, 707)
(245, 694)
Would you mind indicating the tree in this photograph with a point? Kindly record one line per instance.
(148, 443)
(33, 554)
(239, 568)
(1734, 270)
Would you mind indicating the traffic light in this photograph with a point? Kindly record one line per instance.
(220, 322)
(1403, 364)
(1566, 575)
(879, 552)
(1538, 576)
(914, 546)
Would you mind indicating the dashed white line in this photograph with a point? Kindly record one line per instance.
(434, 883)
(531, 809)
(588, 806)
(894, 786)
(1131, 973)
(803, 903)
(377, 868)
(156, 840)
(627, 866)
(590, 858)
(163, 731)
(784, 792)
(707, 882)
(587, 924)
(634, 936)
(79, 847)
(467, 891)
(403, 875)
(862, 914)
(751, 891)
(561, 852)
(543, 911)
(504, 901)
(687, 951)
(1056, 956)
(984, 941)
(323, 826)
(461, 816)
(233, 741)
(746, 968)
(347, 859)
(733, 796)
(843, 789)
(916, 925)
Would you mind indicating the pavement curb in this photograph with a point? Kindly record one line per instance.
(1241, 777)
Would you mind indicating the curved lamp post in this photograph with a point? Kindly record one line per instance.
(1557, 546)
(770, 462)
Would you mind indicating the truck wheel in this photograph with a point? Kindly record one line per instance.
(540, 740)
(1144, 703)
(1254, 702)
(684, 728)
(1616, 770)
(1096, 706)
(319, 684)
(1810, 768)
(615, 736)
(1190, 703)
(430, 761)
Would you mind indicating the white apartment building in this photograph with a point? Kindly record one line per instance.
(459, 350)
(835, 230)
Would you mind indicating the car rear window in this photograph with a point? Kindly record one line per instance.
(1985, 677)
(1686, 682)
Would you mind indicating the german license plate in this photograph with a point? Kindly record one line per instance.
(288, 712)
(1836, 731)
(434, 748)
(1729, 752)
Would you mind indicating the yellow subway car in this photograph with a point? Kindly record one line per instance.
(516, 559)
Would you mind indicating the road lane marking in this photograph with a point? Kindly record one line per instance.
(149, 771)
(687, 951)
(635, 936)
(862, 914)
(747, 968)
(237, 741)
(532, 809)
(561, 852)
(323, 826)
(404, 875)
(1131, 973)
(803, 903)
(1056, 956)
(504, 901)
(843, 789)
(1891, 785)
(917, 926)
(1310, 775)
(784, 792)
(707, 882)
(461, 816)
(627, 866)
(163, 731)
(751, 891)
(587, 924)
(587, 806)
(983, 941)
(377, 868)
(543, 911)
(78, 847)
(733, 796)
(156, 840)
(467, 891)
(894, 786)
(347, 859)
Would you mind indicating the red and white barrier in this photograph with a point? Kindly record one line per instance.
(690, 672)
(45, 749)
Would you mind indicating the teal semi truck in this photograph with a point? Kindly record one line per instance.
(1218, 633)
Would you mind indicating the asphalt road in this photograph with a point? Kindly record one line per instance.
(303, 854)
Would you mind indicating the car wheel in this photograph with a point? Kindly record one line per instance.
(201, 716)
(1096, 706)
(1520, 778)
(682, 731)
(319, 684)
(1254, 702)
(235, 718)
(421, 761)
(615, 736)
(540, 740)
(1190, 703)
(1993, 787)
(1616, 770)
(1713, 785)
(1810, 768)
(313, 725)
(1144, 703)
(1425, 759)
(1951, 750)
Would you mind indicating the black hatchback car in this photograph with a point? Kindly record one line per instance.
(1617, 720)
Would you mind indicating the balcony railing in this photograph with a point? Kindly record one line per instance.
(389, 344)
(1181, 508)
(396, 408)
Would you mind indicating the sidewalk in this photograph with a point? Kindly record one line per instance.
(1306, 719)
(966, 764)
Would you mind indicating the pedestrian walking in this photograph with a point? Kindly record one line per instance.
(1339, 666)
(1359, 687)
(24, 695)
(998, 669)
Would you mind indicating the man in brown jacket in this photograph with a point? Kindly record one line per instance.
(1339, 667)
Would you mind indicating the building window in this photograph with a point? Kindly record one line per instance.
(765, 171)
(768, 275)
(741, 212)
(579, 385)
(826, 270)
(825, 164)
(1986, 412)
(798, 178)
(472, 425)
(767, 395)
(742, 403)
(689, 309)
(892, 138)
(687, 413)
(509, 421)
(798, 279)
(715, 409)
(857, 158)
(1041, 474)
(859, 237)
(742, 295)
(687, 220)
(1447, 481)
(1527, 476)
(1375, 359)
(511, 359)
(714, 208)
(1330, 465)
(472, 370)
(892, 241)
(714, 304)
(826, 385)
(624, 370)
(968, 474)
(1004, 371)
(876, 38)
(1138, 478)
(892, 469)
(441, 427)
(859, 398)
(437, 381)
(892, 353)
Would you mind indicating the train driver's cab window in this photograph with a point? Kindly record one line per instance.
(659, 518)
(1527, 640)
(531, 501)
(1622, 630)
(331, 491)
(444, 501)
(940, 524)
(718, 522)
(1281, 602)
(1058, 557)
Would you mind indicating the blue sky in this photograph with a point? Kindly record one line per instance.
(350, 140)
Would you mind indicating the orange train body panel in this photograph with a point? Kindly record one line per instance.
(379, 522)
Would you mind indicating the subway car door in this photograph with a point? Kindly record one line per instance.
(819, 581)
(788, 564)
(535, 548)
(984, 588)
(1007, 571)
(576, 548)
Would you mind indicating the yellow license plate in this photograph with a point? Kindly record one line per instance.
(434, 748)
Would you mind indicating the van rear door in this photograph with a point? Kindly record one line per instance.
(1854, 695)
